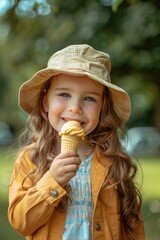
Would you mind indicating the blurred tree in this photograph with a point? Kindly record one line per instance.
(30, 31)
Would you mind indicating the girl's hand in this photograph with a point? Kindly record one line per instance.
(65, 166)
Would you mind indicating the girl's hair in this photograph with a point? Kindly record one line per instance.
(40, 139)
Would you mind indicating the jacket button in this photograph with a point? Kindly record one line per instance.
(98, 227)
(54, 194)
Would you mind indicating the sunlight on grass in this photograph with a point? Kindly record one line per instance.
(149, 178)
(6, 166)
(7, 158)
(151, 171)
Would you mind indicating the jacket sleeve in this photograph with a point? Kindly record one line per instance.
(31, 206)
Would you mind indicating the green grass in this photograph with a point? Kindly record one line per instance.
(151, 175)
(150, 190)
(151, 196)
(6, 165)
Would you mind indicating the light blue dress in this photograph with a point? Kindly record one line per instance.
(79, 211)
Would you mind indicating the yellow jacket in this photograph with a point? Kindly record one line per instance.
(32, 210)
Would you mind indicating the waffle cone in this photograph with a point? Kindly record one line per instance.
(69, 143)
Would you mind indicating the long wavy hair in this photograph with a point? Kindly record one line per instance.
(40, 138)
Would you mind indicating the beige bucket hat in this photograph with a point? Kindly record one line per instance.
(77, 60)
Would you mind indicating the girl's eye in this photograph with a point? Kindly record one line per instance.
(65, 95)
(89, 99)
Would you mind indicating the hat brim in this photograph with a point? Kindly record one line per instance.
(30, 91)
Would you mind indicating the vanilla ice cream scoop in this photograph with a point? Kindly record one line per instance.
(71, 134)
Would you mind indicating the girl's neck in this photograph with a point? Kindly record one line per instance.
(85, 149)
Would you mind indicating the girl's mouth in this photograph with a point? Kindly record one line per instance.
(72, 119)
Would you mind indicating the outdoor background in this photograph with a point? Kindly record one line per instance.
(32, 30)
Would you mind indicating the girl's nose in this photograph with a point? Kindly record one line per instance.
(75, 108)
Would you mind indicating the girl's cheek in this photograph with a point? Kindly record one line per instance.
(95, 109)
(58, 106)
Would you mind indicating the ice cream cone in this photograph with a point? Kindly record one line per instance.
(71, 135)
(69, 143)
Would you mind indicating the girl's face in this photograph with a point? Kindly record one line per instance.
(74, 98)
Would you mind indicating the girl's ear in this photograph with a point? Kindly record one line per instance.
(45, 103)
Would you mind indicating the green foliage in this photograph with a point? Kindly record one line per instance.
(128, 30)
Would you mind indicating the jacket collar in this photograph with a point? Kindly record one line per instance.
(98, 173)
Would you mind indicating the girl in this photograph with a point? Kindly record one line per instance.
(76, 196)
